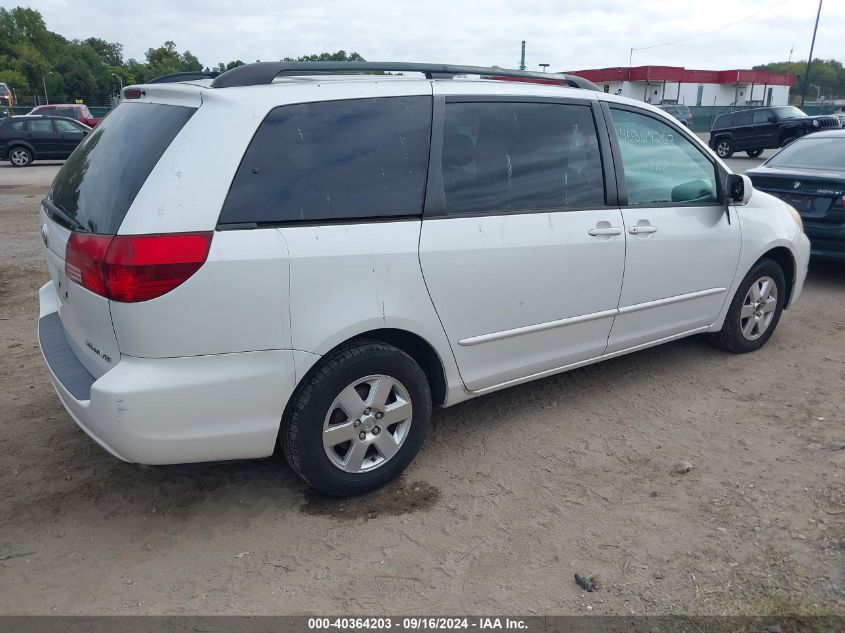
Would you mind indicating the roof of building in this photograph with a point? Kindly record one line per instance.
(684, 75)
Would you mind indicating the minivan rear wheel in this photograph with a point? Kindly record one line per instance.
(20, 156)
(724, 148)
(358, 419)
(755, 310)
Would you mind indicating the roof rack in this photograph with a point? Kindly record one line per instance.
(261, 73)
(190, 75)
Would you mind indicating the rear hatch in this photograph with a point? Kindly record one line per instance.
(84, 209)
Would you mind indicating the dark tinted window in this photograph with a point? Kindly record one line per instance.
(334, 160)
(724, 121)
(520, 156)
(811, 152)
(40, 125)
(742, 118)
(101, 178)
(18, 126)
(761, 116)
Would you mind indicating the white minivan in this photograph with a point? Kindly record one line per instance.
(313, 256)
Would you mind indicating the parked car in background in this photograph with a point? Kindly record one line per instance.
(679, 111)
(24, 139)
(758, 129)
(341, 254)
(809, 174)
(4, 112)
(840, 114)
(77, 111)
(7, 97)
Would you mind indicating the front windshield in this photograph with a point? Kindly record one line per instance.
(789, 112)
(811, 153)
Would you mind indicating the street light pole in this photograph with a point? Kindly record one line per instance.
(810, 57)
(44, 81)
(543, 66)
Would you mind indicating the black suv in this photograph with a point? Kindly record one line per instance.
(757, 129)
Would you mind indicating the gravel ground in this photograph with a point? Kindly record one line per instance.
(511, 496)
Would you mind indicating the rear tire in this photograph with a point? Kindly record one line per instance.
(20, 157)
(755, 310)
(341, 450)
(724, 148)
(754, 153)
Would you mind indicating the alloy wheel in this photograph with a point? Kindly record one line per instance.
(19, 157)
(758, 308)
(367, 423)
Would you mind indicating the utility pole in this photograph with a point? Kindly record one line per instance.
(522, 57)
(810, 56)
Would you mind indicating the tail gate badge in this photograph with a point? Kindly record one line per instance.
(796, 184)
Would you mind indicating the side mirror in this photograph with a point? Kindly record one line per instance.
(739, 189)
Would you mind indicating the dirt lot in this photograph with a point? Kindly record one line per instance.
(512, 494)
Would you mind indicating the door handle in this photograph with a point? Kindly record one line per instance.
(607, 230)
(640, 230)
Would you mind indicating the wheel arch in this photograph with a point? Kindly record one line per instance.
(414, 345)
(784, 258)
(20, 143)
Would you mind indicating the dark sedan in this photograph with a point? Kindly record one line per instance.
(809, 174)
(24, 139)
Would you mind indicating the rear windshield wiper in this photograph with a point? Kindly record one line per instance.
(58, 213)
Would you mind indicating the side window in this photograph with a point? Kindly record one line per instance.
(726, 121)
(761, 116)
(660, 164)
(40, 125)
(17, 126)
(66, 126)
(520, 156)
(334, 160)
(742, 118)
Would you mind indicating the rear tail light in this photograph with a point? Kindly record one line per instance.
(132, 93)
(132, 268)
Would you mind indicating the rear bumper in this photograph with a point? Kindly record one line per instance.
(826, 241)
(172, 410)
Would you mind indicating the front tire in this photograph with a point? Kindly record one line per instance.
(20, 157)
(724, 148)
(358, 420)
(754, 153)
(755, 310)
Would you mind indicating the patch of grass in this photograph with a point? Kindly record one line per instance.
(773, 586)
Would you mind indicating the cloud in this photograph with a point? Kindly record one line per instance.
(565, 34)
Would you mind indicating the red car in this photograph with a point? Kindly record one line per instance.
(77, 111)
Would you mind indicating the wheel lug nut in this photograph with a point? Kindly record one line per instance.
(367, 411)
(357, 423)
(376, 430)
(362, 436)
(379, 415)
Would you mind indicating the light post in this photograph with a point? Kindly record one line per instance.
(543, 66)
(44, 81)
(120, 80)
(810, 56)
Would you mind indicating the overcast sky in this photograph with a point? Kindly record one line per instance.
(568, 35)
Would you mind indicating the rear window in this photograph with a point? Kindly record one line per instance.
(723, 121)
(334, 160)
(811, 153)
(98, 183)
